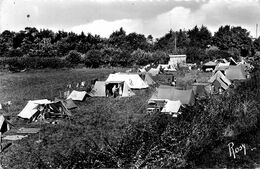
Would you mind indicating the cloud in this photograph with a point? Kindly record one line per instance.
(105, 28)
(147, 17)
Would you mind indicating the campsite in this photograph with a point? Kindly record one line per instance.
(97, 118)
(72, 97)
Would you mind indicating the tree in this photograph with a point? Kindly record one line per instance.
(199, 37)
(73, 57)
(93, 58)
(232, 39)
(134, 41)
(117, 38)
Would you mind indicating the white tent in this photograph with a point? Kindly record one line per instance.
(31, 108)
(43, 109)
(149, 80)
(154, 71)
(4, 125)
(77, 95)
(134, 81)
(172, 106)
(99, 89)
(127, 92)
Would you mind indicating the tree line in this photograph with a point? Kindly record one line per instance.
(121, 49)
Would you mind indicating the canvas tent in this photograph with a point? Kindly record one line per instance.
(172, 107)
(232, 61)
(164, 92)
(69, 104)
(149, 80)
(43, 109)
(221, 67)
(134, 81)
(154, 71)
(235, 73)
(4, 124)
(77, 95)
(219, 81)
(99, 89)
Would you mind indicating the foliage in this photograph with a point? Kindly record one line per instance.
(199, 37)
(73, 57)
(229, 38)
(93, 58)
(195, 55)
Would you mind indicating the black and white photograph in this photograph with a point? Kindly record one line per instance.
(136, 84)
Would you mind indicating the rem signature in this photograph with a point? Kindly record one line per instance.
(233, 151)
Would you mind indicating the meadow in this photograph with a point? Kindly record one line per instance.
(102, 130)
(94, 119)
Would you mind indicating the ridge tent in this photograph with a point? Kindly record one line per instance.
(222, 67)
(99, 89)
(134, 81)
(4, 124)
(154, 71)
(77, 95)
(219, 80)
(69, 104)
(149, 80)
(43, 109)
(31, 108)
(232, 61)
(236, 73)
(164, 92)
(172, 107)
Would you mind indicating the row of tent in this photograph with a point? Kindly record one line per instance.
(43, 109)
(169, 99)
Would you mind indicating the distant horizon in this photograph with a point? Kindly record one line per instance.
(103, 17)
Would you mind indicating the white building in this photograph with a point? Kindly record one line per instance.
(177, 59)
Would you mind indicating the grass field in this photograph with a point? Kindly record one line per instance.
(95, 118)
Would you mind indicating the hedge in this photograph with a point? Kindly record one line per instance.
(33, 62)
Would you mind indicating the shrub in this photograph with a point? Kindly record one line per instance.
(73, 57)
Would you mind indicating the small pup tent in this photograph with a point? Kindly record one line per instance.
(77, 95)
(134, 81)
(69, 104)
(37, 109)
(4, 124)
(105, 89)
(164, 92)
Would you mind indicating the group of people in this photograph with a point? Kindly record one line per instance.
(116, 91)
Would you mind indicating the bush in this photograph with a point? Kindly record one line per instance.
(93, 58)
(73, 57)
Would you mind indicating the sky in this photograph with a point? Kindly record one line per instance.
(102, 17)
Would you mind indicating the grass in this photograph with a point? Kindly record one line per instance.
(95, 118)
